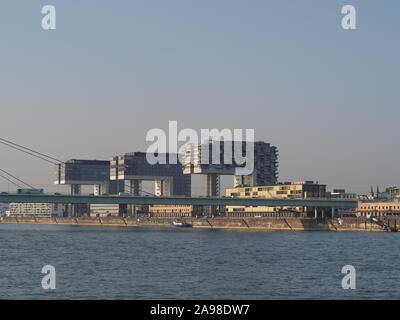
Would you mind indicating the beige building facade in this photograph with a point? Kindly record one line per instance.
(291, 190)
(35, 209)
(378, 208)
(104, 210)
(159, 210)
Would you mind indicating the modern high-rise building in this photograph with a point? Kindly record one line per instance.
(133, 168)
(86, 172)
(265, 167)
(215, 158)
(77, 173)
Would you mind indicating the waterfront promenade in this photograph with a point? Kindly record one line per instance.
(359, 224)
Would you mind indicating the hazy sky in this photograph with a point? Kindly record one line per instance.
(328, 98)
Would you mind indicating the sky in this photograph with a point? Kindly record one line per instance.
(328, 98)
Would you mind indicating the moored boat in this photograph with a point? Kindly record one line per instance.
(180, 223)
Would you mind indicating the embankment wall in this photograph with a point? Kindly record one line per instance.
(232, 223)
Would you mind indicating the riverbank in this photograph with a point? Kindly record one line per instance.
(359, 224)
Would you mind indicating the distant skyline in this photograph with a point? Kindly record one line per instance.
(328, 98)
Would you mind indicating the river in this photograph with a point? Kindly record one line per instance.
(167, 263)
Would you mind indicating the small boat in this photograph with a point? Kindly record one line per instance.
(180, 223)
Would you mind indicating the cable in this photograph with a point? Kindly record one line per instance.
(17, 178)
(14, 183)
(41, 155)
(32, 154)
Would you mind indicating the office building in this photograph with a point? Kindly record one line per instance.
(78, 173)
(209, 158)
(133, 168)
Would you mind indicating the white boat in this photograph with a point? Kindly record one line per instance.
(180, 223)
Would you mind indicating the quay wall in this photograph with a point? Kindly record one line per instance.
(232, 223)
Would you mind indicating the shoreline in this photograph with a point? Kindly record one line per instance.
(264, 224)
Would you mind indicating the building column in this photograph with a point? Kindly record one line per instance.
(212, 185)
(162, 188)
(333, 212)
(134, 189)
(100, 189)
(315, 212)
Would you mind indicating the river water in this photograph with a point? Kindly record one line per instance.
(166, 263)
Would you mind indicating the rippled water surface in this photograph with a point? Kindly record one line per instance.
(145, 263)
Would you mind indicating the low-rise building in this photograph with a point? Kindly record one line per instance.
(300, 189)
(105, 210)
(35, 209)
(378, 208)
(161, 210)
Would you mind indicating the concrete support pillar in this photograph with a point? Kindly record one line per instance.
(323, 213)
(100, 189)
(75, 190)
(97, 189)
(134, 188)
(333, 212)
(315, 212)
(158, 188)
(212, 190)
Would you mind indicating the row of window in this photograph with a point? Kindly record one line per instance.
(379, 207)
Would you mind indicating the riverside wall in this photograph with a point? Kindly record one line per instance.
(231, 223)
